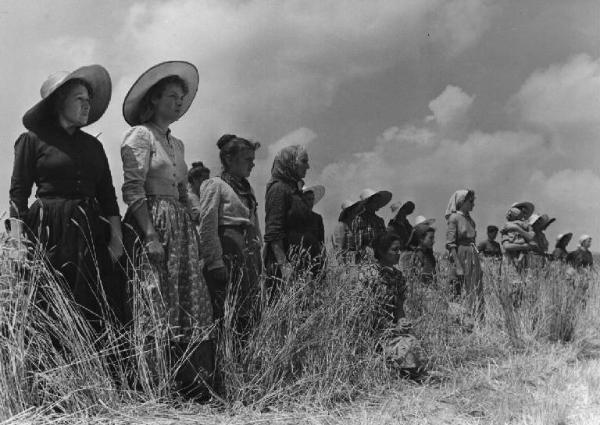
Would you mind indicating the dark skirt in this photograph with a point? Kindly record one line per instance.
(75, 239)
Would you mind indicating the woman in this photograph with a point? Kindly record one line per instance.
(229, 230)
(460, 242)
(75, 195)
(400, 224)
(314, 236)
(582, 257)
(560, 252)
(367, 226)
(197, 175)
(154, 189)
(286, 209)
(538, 254)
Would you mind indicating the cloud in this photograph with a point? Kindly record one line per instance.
(450, 107)
(562, 94)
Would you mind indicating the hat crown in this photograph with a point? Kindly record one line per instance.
(52, 82)
(346, 204)
(366, 193)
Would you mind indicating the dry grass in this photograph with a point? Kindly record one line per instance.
(311, 357)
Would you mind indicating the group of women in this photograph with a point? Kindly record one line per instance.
(195, 240)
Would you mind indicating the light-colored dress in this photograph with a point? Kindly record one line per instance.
(461, 235)
(155, 171)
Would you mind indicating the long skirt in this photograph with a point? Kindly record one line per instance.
(472, 280)
(176, 284)
(75, 238)
(241, 255)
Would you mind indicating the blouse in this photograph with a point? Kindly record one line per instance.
(153, 165)
(281, 198)
(461, 230)
(61, 165)
(220, 206)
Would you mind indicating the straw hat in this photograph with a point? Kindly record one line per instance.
(397, 206)
(421, 220)
(526, 207)
(545, 220)
(566, 236)
(379, 199)
(350, 209)
(318, 190)
(95, 75)
(184, 70)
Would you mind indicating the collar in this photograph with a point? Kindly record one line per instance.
(162, 131)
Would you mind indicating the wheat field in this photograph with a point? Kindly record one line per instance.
(312, 356)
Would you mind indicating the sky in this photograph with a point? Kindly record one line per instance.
(418, 97)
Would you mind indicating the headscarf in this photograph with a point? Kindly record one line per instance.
(583, 238)
(456, 201)
(285, 164)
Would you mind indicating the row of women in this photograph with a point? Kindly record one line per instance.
(186, 269)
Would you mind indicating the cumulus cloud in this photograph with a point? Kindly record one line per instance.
(450, 107)
(562, 94)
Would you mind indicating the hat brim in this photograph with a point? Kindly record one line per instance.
(184, 70)
(318, 190)
(99, 80)
(427, 222)
(548, 222)
(567, 236)
(380, 199)
(352, 211)
(526, 207)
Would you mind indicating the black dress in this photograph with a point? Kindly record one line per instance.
(75, 195)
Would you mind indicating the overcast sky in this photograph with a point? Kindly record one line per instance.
(419, 97)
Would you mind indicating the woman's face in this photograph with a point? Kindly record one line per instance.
(587, 243)
(302, 165)
(392, 255)
(428, 240)
(241, 165)
(309, 197)
(197, 182)
(168, 106)
(468, 204)
(75, 108)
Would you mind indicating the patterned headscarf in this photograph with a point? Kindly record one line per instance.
(285, 164)
(456, 201)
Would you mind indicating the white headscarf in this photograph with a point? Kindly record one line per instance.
(455, 201)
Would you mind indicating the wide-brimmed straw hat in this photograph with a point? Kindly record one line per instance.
(318, 190)
(95, 75)
(378, 198)
(526, 207)
(562, 236)
(398, 206)
(422, 220)
(184, 70)
(545, 220)
(350, 209)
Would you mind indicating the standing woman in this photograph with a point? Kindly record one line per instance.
(75, 196)
(283, 196)
(196, 176)
(229, 230)
(155, 192)
(314, 236)
(460, 241)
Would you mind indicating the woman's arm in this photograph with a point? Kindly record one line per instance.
(527, 235)
(451, 236)
(514, 247)
(208, 228)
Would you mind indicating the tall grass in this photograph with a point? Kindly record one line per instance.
(313, 343)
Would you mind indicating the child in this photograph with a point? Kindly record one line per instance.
(517, 233)
(423, 259)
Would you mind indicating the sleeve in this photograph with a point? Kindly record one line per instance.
(211, 250)
(105, 190)
(193, 203)
(451, 232)
(136, 150)
(276, 206)
(339, 233)
(23, 175)
(256, 223)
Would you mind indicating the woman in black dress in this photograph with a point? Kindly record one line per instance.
(75, 216)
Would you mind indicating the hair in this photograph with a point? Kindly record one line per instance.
(231, 145)
(146, 109)
(470, 196)
(383, 242)
(197, 170)
(492, 228)
(58, 97)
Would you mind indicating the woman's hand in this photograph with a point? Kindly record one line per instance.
(115, 248)
(155, 250)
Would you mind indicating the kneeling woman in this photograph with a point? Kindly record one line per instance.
(158, 221)
(229, 230)
(75, 195)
